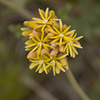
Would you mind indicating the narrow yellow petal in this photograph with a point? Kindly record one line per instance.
(34, 40)
(39, 26)
(46, 13)
(54, 70)
(40, 22)
(73, 54)
(39, 51)
(60, 41)
(43, 27)
(56, 29)
(78, 38)
(33, 49)
(51, 30)
(38, 67)
(46, 45)
(67, 38)
(67, 50)
(28, 42)
(54, 37)
(48, 65)
(54, 40)
(31, 45)
(66, 29)
(32, 65)
(70, 49)
(45, 38)
(60, 22)
(75, 36)
(41, 14)
(75, 50)
(41, 70)
(37, 37)
(25, 29)
(42, 36)
(78, 46)
(58, 58)
(49, 16)
(26, 33)
(60, 66)
(57, 70)
(44, 67)
(37, 19)
(30, 24)
(70, 32)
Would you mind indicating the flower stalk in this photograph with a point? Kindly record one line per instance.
(76, 86)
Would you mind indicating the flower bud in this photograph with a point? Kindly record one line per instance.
(46, 30)
(30, 24)
(44, 51)
(28, 42)
(32, 55)
(64, 62)
(50, 34)
(61, 49)
(54, 52)
(26, 33)
(53, 45)
(34, 33)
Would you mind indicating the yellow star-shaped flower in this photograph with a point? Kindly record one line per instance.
(41, 64)
(47, 18)
(37, 43)
(55, 63)
(60, 33)
(70, 45)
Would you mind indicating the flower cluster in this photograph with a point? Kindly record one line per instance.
(49, 42)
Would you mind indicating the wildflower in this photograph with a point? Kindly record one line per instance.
(60, 33)
(37, 44)
(49, 43)
(55, 63)
(40, 63)
(47, 18)
(67, 42)
(70, 45)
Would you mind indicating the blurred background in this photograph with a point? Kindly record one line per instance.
(17, 82)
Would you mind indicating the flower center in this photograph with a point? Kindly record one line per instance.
(40, 43)
(45, 21)
(53, 62)
(41, 62)
(69, 43)
(61, 35)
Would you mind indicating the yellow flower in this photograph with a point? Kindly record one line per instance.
(47, 18)
(65, 39)
(70, 45)
(49, 43)
(60, 33)
(55, 63)
(37, 43)
(40, 63)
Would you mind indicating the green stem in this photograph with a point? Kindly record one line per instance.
(15, 6)
(76, 86)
